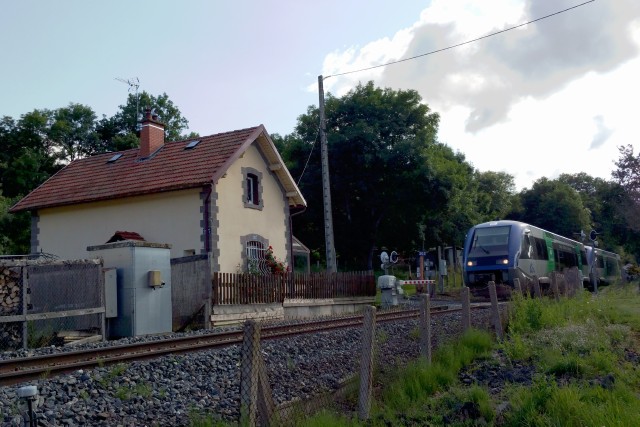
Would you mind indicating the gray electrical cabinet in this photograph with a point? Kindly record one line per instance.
(143, 286)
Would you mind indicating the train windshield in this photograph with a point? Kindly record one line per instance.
(490, 241)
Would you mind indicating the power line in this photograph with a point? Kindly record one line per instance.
(461, 44)
(313, 144)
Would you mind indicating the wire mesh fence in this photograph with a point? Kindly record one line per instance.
(44, 303)
(382, 349)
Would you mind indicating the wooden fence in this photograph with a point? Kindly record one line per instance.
(231, 288)
(332, 285)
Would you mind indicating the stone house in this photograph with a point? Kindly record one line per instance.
(228, 195)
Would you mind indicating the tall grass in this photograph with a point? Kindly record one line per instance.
(580, 346)
(418, 381)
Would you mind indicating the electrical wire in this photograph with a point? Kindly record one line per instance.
(460, 44)
(308, 158)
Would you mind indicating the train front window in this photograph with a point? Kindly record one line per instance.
(490, 241)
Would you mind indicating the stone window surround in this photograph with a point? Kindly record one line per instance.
(250, 238)
(245, 197)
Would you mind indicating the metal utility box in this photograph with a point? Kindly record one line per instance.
(143, 286)
(387, 285)
(111, 292)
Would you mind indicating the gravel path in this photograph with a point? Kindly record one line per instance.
(165, 391)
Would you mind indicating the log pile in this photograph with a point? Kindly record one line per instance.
(10, 304)
(10, 296)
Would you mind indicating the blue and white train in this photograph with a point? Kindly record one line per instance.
(503, 250)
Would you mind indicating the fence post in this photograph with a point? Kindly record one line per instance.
(425, 327)
(25, 305)
(466, 309)
(266, 406)
(516, 285)
(366, 364)
(495, 310)
(103, 301)
(249, 375)
(579, 283)
(536, 288)
(554, 285)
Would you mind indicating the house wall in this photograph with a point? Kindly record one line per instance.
(172, 217)
(232, 220)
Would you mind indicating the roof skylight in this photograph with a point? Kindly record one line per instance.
(114, 158)
(191, 144)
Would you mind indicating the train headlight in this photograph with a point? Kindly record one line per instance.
(502, 261)
(471, 263)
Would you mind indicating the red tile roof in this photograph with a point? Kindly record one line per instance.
(171, 168)
(125, 235)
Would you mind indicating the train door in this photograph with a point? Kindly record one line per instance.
(527, 253)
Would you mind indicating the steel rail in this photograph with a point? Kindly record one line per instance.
(18, 370)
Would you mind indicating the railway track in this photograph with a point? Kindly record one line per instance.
(18, 370)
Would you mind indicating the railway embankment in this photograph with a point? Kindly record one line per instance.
(172, 389)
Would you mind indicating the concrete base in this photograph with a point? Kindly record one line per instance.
(308, 308)
(290, 309)
(227, 314)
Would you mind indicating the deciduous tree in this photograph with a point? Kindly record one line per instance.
(389, 175)
(554, 206)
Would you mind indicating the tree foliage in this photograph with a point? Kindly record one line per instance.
(391, 181)
(119, 132)
(40, 142)
(554, 206)
(627, 175)
(73, 132)
(495, 195)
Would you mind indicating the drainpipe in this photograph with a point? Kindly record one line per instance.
(207, 248)
(206, 219)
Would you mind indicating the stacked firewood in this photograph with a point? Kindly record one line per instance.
(10, 300)
(10, 304)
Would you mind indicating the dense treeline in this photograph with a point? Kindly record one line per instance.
(40, 142)
(393, 183)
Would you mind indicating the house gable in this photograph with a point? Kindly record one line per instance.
(235, 219)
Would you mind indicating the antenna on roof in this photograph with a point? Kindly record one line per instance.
(134, 84)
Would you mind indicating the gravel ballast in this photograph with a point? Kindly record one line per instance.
(168, 390)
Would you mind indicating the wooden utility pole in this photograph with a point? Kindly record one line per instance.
(326, 191)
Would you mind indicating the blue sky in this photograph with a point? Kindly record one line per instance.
(557, 96)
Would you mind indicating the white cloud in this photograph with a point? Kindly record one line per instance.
(556, 96)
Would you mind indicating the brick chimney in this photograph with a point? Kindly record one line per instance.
(151, 134)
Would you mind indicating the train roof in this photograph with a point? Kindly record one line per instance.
(602, 251)
(521, 225)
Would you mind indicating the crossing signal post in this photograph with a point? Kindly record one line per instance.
(593, 235)
(421, 275)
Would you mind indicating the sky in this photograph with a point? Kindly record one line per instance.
(556, 96)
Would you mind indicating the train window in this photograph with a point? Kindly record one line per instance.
(583, 256)
(487, 240)
(608, 267)
(565, 256)
(541, 249)
(526, 252)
